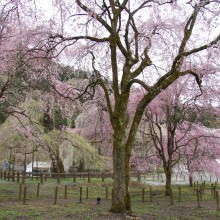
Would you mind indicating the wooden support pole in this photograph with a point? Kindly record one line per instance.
(58, 178)
(55, 198)
(41, 178)
(23, 177)
(217, 201)
(106, 192)
(80, 195)
(87, 192)
(13, 176)
(151, 196)
(20, 191)
(112, 194)
(38, 189)
(74, 177)
(198, 199)
(143, 194)
(180, 194)
(89, 179)
(25, 195)
(214, 191)
(65, 193)
(200, 193)
(171, 197)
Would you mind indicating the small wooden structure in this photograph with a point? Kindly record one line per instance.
(38, 167)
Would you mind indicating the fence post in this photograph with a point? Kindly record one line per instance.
(198, 200)
(38, 189)
(143, 194)
(65, 192)
(200, 192)
(58, 177)
(20, 191)
(106, 192)
(203, 188)
(103, 177)
(171, 197)
(80, 195)
(8, 175)
(87, 192)
(18, 175)
(25, 194)
(56, 192)
(23, 177)
(13, 176)
(41, 178)
(214, 191)
(151, 196)
(180, 195)
(89, 179)
(217, 201)
(74, 177)
(112, 194)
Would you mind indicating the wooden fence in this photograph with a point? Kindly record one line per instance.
(59, 186)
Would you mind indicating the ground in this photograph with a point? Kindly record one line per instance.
(43, 207)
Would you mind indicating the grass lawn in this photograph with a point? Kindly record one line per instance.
(40, 201)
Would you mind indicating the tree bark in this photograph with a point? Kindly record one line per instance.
(121, 198)
(168, 174)
(119, 186)
(127, 181)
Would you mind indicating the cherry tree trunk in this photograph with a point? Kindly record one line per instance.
(127, 181)
(168, 174)
(60, 165)
(57, 164)
(121, 198)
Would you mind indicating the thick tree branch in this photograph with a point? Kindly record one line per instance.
(144, 63)
(140, 82)
(83, 37)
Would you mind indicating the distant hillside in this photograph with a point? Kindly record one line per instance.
(70, 148)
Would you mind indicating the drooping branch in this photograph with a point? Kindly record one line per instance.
(68, 92)
(4, 88)
(103, 85)
(95, 15)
